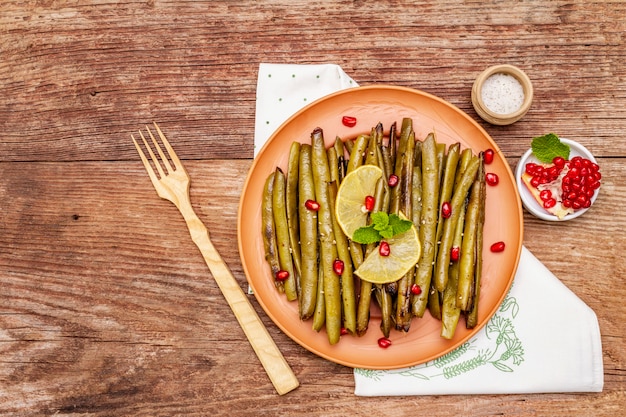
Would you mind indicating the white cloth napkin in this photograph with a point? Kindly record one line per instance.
(542, 339)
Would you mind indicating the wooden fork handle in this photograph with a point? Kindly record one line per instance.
(277, 368)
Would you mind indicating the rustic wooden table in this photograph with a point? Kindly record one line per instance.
(106, 306)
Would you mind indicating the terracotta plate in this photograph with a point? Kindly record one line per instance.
(370, 105)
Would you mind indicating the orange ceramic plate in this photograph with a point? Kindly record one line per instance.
(370, 105)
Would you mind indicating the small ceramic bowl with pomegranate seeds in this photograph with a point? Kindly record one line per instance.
(562, 189)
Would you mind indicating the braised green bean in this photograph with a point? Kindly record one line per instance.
(319, 317)
(269, 232)
(450, 313)
(291, 199)
(308, 236)
(358, 152)
(348, 295)
(282, 234)
(468, 249)
(428, 223)
(328, 250)
(472, 317)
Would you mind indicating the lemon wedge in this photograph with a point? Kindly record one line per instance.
(350, 209)
(404, 252)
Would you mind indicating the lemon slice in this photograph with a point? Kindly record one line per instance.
(350, 209)
(404, 252)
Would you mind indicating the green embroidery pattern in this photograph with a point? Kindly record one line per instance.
(504, 352)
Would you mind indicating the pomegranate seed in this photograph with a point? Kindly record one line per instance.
(575, 205)
(488, 156)
(549, 203)
(343, 331)
(383, 249)
(384, 343)
(416, 289)
(577, 161)
(587, 204)
(369, 203)
(534, 181)
(312, 205)
(531, 168)
(338, 266)
(393, 180)
(566, 203)
(497, 247)
(446, 209)
(492, 179)
(558, 162)
(545, 194)
(282, 275)
(455, 253)
(348, 121)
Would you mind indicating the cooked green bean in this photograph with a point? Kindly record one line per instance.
(319, 317)
(458, 198)
(328, 250)
(358, 151)
(464, 160)
(447, 183)
(403, 300)
(269, 232)
(434, 301)
(341, 158)
(348, 145)
(348, 295)
(282, 234)
(468, 249)
(291, 199)
(308, 236)
(333, 164)
(416, 193)
(428, 223)
(472, 317)
(450, 313)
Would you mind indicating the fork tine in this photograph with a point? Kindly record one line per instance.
(159, 149)
(169, 148)
(155, 160)
(146, 164)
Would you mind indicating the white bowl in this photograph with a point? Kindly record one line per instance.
(529, 203)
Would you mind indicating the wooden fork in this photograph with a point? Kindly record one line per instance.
(172, 183)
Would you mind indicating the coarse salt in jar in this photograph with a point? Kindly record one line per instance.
(502, 94)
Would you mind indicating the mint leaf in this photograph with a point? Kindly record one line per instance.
(387, 232)
(366, 235)
(549, 146)
(384, 226)
(398, 224)
(380, 220)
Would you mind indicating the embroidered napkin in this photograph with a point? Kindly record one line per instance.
(539, 341)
